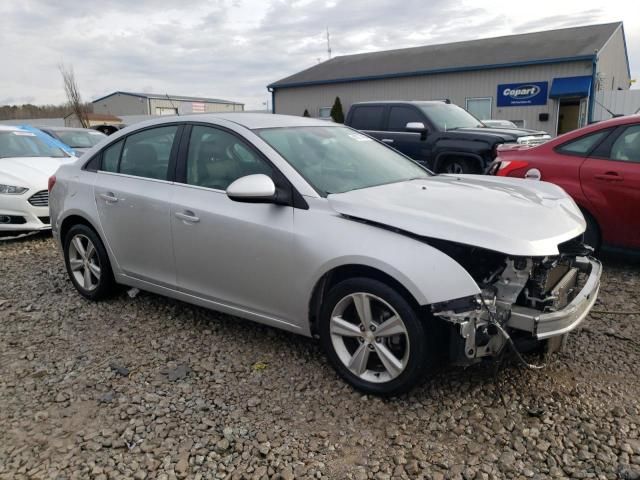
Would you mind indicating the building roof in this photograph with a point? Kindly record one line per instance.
(552, 46)
(163, 96)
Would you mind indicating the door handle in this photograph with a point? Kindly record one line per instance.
(387, 140)
(609, 177)
(187, 216)
(109, 197)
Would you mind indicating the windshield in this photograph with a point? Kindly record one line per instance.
(337, 159)
(20, 143)
(447, 116)
(80, 138)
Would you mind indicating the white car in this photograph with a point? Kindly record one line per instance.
(26, 163)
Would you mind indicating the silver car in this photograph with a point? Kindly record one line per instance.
(320, 230)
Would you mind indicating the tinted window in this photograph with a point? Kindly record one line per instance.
(446, 116)
(146, 154)
(337, 159)
(400, 116)
(627, 146)
(217, 158)
(583, 145)
(367, 118)
(111, 156)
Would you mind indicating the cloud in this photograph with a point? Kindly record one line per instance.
(233, 48)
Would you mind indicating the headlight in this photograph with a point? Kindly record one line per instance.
(12, 189)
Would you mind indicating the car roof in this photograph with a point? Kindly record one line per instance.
(406, 102)
(248, 120)
(9, 128)
(56, 128)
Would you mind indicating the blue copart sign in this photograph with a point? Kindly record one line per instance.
(522, 94)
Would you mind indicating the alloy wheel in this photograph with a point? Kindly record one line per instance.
(84, 262)
(369, 337)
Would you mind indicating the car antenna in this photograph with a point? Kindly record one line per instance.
(613, 115)
(172, 105)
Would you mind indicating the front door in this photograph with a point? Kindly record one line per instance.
(132, 194)
(568, 115)
(412, 144)
(237, 254)
(612, 185)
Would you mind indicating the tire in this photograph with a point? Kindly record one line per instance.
(375, 360)
(591, 235)
(458, 166)
(99, 283)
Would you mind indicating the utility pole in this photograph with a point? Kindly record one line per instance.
(328, 44)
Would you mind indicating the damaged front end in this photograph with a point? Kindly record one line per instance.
(523, 299)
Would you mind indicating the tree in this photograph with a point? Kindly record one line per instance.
(73, 95)
(336, 111)
(306, 113)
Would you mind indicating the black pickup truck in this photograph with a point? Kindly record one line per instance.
(439, 135)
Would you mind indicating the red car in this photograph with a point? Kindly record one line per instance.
(599, 166)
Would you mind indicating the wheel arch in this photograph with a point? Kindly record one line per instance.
(344, 272)
(77, 219)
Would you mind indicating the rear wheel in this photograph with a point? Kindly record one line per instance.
(458, 166)
(87, 263)
(373, 337)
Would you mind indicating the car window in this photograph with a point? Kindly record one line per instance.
(367, 117)
(80, 138)
(217, 158)
(627, 146)
(400, 116)
(146, 154)
(583, 145)
(111, 156)
(22, 143)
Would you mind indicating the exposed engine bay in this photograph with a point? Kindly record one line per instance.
(516, 292)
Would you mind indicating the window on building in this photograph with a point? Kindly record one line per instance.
(479, 107)
(324, 113)
(366, 117)
(584, 144)
(217, 158)
(400, 116)
(166, 111)
(627, 146)
(146, 154)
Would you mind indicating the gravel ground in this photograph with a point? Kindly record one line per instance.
(148, 387)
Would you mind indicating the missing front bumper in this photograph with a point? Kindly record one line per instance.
(547, 325)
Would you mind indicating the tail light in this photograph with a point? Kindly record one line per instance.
(51, 183)
(508, 166)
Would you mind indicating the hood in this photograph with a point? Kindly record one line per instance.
(514, 147)
(30, 172)
(505, 133)
(512, 216)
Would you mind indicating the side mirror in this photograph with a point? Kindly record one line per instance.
(257, 188)
(417, 127)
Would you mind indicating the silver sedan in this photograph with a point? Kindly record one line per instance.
(315, 228)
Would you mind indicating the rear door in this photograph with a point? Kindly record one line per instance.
(369, 119)
(611, 181)
(133, 190)
(411, 144)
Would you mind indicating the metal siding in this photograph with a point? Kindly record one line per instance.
(622, 102)
(121, 104)
(455, 86)
(186, 107)
(612, 64)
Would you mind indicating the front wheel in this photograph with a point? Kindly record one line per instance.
(373, 337)
(458, 166)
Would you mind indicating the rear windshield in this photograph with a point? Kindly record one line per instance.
(20, 143)
(80, 138)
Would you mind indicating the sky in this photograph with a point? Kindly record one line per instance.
(232, 49)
